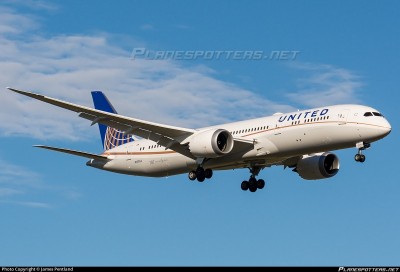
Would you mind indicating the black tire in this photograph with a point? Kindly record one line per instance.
(362, 158)
(200, 174)
(208, 173)
(260, 183)
(244, 185)
(252, 188)
(201, 178)
(357, 157)
(192, 175)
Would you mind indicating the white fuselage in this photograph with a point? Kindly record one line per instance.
(276, 138)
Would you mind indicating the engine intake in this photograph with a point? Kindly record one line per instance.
(211, 143)
(318, 166)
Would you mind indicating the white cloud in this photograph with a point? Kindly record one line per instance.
(147, 27)
(34, 204)
(19, 185)
(32, 4)
(70, 66)
(17, 175)
(9, 192)
(13, 23)
(30, 204)
(181, 26)
(23, 187)
(325, 85)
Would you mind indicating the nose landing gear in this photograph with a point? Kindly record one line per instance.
(360, 157)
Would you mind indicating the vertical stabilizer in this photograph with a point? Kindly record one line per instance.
(110, 137)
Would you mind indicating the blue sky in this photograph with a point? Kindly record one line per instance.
(57, 211)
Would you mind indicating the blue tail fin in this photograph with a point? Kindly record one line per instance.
(110, 137)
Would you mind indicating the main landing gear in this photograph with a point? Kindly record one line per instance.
(360, 157)
(200, 174)
(253, 184)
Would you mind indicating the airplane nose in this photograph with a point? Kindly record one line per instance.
(387, 128)
(379, 130)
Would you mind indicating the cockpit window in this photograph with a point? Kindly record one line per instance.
(367, 114)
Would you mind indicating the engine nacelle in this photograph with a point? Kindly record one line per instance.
(318, 166)
(211, 143)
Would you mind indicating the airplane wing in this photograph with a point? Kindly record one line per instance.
(170, 137)
(165, 135)
(74, 152)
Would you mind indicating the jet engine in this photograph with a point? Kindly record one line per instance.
(318, 166)
(211, 143)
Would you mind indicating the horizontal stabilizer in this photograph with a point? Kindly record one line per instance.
(74, 152)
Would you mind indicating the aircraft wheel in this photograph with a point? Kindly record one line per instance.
(244, 185)
(201, 179)
(208, 173)
(200, 174)
(260, 183)
(252, 188)
(192, 175)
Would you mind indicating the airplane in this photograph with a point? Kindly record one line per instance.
(301, 140)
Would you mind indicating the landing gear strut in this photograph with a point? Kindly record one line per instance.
(200, 174)
(253, 184)
(360, 157)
